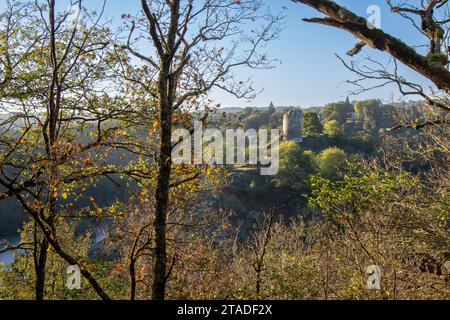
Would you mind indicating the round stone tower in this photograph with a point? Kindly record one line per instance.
(292, 125)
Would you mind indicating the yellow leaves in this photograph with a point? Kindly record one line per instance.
(155, 125)
(22, 140)
(88, 162)
(442, 215)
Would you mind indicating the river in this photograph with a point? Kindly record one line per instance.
(8, 256)
(99, 235)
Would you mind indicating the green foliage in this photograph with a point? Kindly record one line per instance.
(271, 108)
(311, 124)
(330, 161)
(256, 120)
(18, 280)
(374, 115)
(333, 128)
(295, 166)
(338, 111)
(276, 119)
(355, 193)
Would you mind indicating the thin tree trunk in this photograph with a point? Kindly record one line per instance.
(162, 200)
(167, 84)
(40, 267)
(132, 270)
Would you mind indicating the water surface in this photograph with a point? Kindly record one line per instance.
(8, 256)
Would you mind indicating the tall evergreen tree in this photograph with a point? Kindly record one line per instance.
(311, 124)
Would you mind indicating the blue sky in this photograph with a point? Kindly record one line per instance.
(309, 73)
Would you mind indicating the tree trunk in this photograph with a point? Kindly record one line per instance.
(40, 267)
(132, 269)
(162, 188)
(167, 84)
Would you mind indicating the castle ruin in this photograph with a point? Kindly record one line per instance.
(292, 125)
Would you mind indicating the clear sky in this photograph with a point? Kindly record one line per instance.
(309, 73)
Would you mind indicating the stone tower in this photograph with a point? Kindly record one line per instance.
(292, 125)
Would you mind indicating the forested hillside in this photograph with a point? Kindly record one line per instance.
(359, 130)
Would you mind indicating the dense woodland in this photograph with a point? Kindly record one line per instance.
(87, 115)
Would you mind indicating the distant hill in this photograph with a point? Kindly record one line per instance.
(239, 109)
(230, 109)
